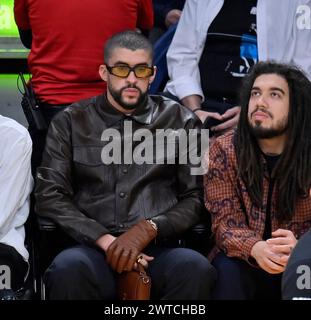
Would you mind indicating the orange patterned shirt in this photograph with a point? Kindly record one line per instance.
(236, 222)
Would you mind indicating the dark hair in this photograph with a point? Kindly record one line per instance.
(292, 173)
(129, 40)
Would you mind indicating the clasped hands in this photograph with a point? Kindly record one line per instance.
(125, 251)
(229, 119)
(272, 255)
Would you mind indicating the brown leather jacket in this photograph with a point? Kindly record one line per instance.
(89, 198)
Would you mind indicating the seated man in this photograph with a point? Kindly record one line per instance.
(257, 187)
(118, 208)
(296, 280)
(15, 187)
(63, 68)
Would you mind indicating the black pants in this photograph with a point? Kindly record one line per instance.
(38, 136)
(238, 280)
(296, 282)
(13, 268)
(82, 273)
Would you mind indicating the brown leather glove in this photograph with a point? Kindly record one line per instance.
(123, 251)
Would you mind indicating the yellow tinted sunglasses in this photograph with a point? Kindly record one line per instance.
(124, 71)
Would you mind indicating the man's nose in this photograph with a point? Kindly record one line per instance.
(262, 100)
(131, 77)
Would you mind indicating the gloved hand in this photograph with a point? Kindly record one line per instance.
(124, 250)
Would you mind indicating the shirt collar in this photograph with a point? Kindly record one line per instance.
(143, 113)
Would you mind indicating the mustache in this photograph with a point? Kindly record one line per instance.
(130, 86)
(263, 111)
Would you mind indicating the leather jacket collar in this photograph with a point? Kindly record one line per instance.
(143, 113)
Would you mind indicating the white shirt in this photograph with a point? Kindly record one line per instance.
(278, 38)
(16, 183)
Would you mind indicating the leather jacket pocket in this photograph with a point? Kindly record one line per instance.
(88, 156)
(90, 171)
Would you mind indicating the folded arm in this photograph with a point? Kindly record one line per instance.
(229, 223)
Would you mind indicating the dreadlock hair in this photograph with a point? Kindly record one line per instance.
(292, 173)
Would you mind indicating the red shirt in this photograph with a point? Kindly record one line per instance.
(68, 40)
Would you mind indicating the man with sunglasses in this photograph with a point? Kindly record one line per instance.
(121, 213)
(66, 48)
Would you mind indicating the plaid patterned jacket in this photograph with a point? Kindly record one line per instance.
(236, 222)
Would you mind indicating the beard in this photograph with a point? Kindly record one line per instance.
(117, 96)
(260, 132)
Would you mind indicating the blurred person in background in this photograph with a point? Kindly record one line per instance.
(218, 41)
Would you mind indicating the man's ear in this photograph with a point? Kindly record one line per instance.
(103, 72)
(154, 74)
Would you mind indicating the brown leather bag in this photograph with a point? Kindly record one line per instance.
(134, 285)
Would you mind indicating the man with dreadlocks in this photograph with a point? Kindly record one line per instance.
(257, 186)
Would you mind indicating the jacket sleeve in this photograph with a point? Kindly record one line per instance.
(189, 207)
(55, 186)
(183, 55)
(229, 222)
(145, 15)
